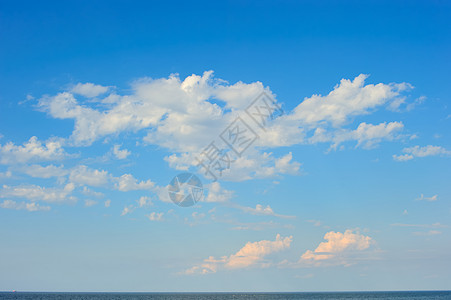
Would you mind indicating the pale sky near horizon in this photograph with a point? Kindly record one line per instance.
(102, 104)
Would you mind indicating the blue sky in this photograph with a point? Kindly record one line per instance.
(102, 104)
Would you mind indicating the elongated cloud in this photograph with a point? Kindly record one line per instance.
(31, 206)
(417, 151)
(253, 254)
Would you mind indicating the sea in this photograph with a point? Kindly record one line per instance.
(437, 295)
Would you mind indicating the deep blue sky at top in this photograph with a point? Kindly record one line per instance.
(296, 47)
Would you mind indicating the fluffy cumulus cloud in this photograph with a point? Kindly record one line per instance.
(127, 183)
(253, 254)
(347, 100)
(184, 116)
(84, 175)
(32, 151)
(337, 248)
(417, 151)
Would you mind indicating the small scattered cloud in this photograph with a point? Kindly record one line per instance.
(89, 203)
(417, 151)
(127, 210)
(107, 203)
(315, 223)
(120, 154)
(154, 216)
(127, 183)
(7, 174)
(216, 193)
(89, 90)
(430, 199)
(144, 201)
(31, 206)
(263, 211)
(88, 192)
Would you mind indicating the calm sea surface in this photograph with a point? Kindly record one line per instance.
(224, 296)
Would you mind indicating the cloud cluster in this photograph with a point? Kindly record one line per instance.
(184, 116)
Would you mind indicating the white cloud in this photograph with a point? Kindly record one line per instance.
(253, 254)
(348, 99)
(261, 210)
(10, 204)
(38, 193)
(404, 157)
(430, 199)
(216, 193)
(315, 223)
(144, 201)
(120, 154)
(88, 192)
(89, 203)
(107, 203)
(49, 171)
(249, 166)
(366, 135)
(32, 151)
(7, 174)
(84, 175)
(336, 247)
(154, 216)
(427, 233)
(434, 225)
(89, 90)
(127, 210)
(127, 183)
(417, 151)
(179, 115)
